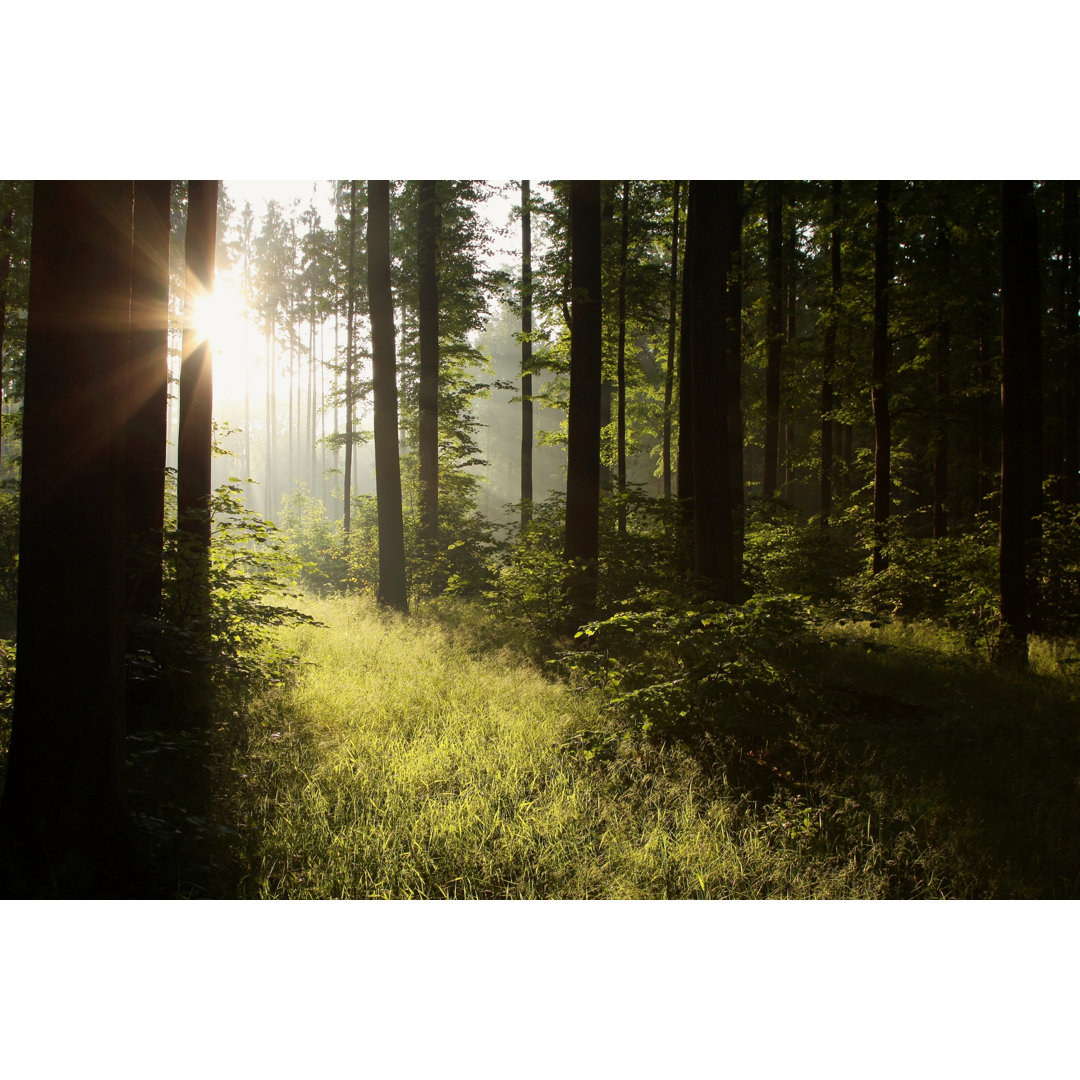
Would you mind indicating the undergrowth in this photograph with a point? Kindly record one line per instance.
(411, 760)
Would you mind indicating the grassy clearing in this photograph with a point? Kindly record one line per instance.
(405, 763)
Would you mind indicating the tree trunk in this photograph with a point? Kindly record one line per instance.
(620, 374)
(526, 358)
(392, 589)
(8, 229)
(1020, 358)
(147, 435)
(63, 823)
(350, 322)
(1071, 434)
(193, 452)
(428, 390)
(669, 374)
(583, 438)
(879, 383)
(731, 328)
(941, 364)
(706, 322)
(829, 358)
(774, 330)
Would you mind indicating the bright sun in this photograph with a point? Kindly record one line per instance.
(224, 318)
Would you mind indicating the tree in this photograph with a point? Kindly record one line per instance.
(712, 320)
(669, 370)
(1020, 360)
(774, 335)
(828, 364)
(879, 377)
(350, 352)
(583, 435)
(392, 589)
(428, 388)
(147, 435)
(63, 809)
(526, 358)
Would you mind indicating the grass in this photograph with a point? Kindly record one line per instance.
(406, 762)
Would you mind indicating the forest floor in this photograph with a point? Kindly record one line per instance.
(420, 757)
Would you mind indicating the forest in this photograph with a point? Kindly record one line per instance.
(645, 539)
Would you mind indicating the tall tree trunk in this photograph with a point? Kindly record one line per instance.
(195, 439)
(428, 390)
(879, 379)
(731, 328)
(828, 366)
(1071, 435)
(146, 434)
(63, 824)
(941, 364)
(620, 375)
(196, 373)
(350, 322)
(1020, 358)
(707, 319)
(526, 358)
(669, 374)
(8, 229)
(583, 438)
(392, 590)
(774, 201)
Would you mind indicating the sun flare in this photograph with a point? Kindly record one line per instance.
(223, 317)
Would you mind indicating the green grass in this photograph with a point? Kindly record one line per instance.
(407, 763)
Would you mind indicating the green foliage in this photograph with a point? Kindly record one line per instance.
(232, 640)
(718, 669)
(1058, 574)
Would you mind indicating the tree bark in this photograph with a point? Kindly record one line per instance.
(941, 364)
(196, 372)
(773, 333)
(1071, 435)
(828, 366)
(879, 379)
(350, 324)
(669, 374)
(428, 390)
(8, 228)
(620, 371)
(392, 588)
(147, 434)
(710, 252)
(63, 822)
(526, 358)
(1020, 359)
(583, 437)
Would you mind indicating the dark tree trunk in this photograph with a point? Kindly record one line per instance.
(146, 434)
(193, 450)
(730, 238)
(8, 228)
(774, 330)
(879, 380)
(829, 358)
(684, 474)
(706, 317)
(669, 374)
(350, 324)
(526, 358)
(583, 438)
(620, 372)
(1070, 458)
(941, 364)
(1020, 349)
(63, 810)
(392, 590)
(428, 390)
